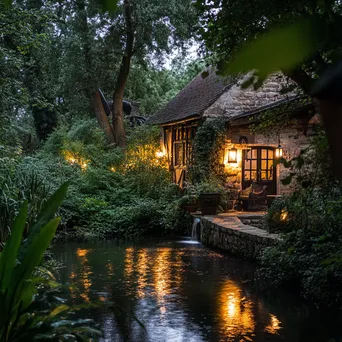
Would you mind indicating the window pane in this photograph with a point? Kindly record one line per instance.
(254, 164)
(263, 175)
(254, 175)
(188, 151)
(270, 171)
(247, 175)
(263, 154)
(178, 154)
(248, 154)
(270, 154)
(254, 154)
(264, 164)
(247, 164)
(178, 134)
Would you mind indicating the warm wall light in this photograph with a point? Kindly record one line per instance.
(232, 155)
(160, 154)
(279, 152)
(284, 215)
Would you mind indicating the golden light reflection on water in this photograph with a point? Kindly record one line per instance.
(129, 262)
(110, 270)
(157, 270)
(142, 267)
(274, 326)
(236, 314)
(162, 273)
(82, 253)
(84, 274)
(159, 273)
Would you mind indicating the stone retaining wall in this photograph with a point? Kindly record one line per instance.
(230, 234)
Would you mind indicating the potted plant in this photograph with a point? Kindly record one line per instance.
(189, 201)
(209, 197)
(231, 196)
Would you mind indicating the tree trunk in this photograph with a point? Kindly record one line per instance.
(118, 122)
(330, 109)
(331, 114)
(102, 117)
(90, 90)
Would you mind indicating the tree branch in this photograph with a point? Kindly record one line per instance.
(119, 130)
(301, 78)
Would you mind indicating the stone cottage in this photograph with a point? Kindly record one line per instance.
(248, 156)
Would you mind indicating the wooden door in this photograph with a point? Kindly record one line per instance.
(258, 166)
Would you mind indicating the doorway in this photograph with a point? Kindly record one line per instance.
(258, 166)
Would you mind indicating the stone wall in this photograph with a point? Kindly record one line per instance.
(292, 139)
(230, 234)
(237, 100)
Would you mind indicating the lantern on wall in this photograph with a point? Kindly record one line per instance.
(279, 152)
(160, 154)
(232, 155)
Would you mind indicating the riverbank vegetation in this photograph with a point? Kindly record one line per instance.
(310, 223)
(51, 126)
(54, 58)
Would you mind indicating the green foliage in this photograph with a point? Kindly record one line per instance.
(207, 152)
(20, 319)
(274, 121)
(283, 48)
(153, 87)
(116, 194)
(19, 184)
(310, 221)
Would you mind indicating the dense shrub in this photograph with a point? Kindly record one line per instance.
(18, 184)
(116, 194)
(310, 223)
(207, 152)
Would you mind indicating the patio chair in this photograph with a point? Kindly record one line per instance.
(253, 198)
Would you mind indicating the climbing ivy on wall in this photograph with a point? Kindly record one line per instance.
(275, 120)
(208, 149)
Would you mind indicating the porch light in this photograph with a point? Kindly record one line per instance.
(232, 155)
(284, 215)
(279, 152)
(160, 154)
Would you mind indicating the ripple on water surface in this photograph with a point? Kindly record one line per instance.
(181, 291)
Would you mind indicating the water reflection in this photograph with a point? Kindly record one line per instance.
(162, 274)
(84, 279)
(237, 314)
(142, 267)
(274, 326)
(236, 317)
(180, 292)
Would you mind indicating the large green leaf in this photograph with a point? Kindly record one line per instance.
(47, 213)
(282, 48)
(33, 255)
(9, 254)
(59, 309)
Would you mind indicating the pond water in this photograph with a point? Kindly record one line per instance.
(182, 291)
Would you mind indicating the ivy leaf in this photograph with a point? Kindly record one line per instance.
(287, 180)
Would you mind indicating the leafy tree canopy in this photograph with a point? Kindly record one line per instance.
(303, 36)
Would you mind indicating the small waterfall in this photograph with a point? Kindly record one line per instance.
(196, 227)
